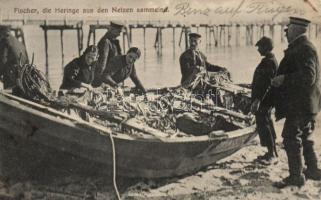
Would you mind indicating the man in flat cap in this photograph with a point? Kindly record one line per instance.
(12, 53)
(108, 47)
(297, 99)
(193, 61)
(261, 98)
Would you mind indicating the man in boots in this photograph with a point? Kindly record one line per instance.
(261, 98)
(297, 99)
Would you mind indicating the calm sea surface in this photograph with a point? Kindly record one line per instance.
(155, 68)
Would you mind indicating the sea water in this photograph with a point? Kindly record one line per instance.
(156, 67)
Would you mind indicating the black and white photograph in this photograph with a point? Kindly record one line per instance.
(159, 100)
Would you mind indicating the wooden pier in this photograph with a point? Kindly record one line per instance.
(219, 35)
(76, 27)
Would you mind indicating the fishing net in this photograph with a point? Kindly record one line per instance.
(201, 79)
(33, 84)
(160, 112)
(213, 83)
(164, 110)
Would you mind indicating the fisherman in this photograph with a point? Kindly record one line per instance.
(12, 53)
(121, 67)
(192, 61)
(80, 71)
(261, 98)
(298, 100)
(108, 48)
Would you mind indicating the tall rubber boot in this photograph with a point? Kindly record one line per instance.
(312, 172)
(296, 177)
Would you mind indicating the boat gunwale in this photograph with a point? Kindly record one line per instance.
(36, 109)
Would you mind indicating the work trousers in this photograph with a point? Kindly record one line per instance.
(265, 128)
(296, 135)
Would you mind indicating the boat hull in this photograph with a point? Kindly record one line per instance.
(34, 141)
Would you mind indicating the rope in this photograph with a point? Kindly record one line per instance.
(266, 92)
(114, 166)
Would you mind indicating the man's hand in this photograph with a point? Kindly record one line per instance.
(277, 81)
(255, 106)
(145, 97)
(88, 86)
(201, 69)
(119, 91)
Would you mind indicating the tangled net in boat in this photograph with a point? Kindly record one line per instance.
(220, 77)
(155, 115)
(158, 112)
(33, 84)
(152, 113)
(203, 78)
(211, 83)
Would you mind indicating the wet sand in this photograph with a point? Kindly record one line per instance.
(235, 177)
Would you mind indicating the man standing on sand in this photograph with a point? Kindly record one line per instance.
(261, 98)
(297, 99)
(108, 47)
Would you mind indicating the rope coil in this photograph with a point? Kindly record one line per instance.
(33, 83)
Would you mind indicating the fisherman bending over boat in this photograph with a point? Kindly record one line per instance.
(108, 48)
(12, 53)
(80, 71)
(261, 98)
(192, 61)
(121, 67)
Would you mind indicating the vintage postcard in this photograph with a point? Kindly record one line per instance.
(172, 99)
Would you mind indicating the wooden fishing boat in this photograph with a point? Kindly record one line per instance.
(34, 137)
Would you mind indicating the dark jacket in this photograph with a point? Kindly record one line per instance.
(300, 92)
(263, 75)
(119, 70)
(107, 49)
(189, 61)
(77, 72)
(10, 50)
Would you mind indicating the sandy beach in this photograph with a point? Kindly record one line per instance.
(235, 177)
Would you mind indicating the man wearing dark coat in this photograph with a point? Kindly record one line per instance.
(121, 67)
(12, 53)
(297, 99)
(80, 71)
(261, 98)
(109, 47)
(193, 61)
